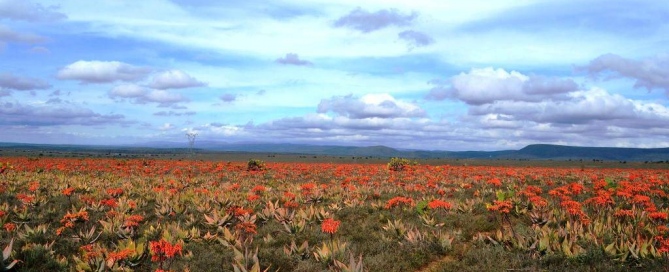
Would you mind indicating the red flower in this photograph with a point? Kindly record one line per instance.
(658, 216)
(330, 226)
(501, 206)
(111, 203)
(120, 255)
(133, 221)
(68, 191)
(258, 189)
(437, 203)
(496, 182)
(9, 227)
(163, 250)
(399, 200)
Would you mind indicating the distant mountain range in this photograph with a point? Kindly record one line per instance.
(530, 152)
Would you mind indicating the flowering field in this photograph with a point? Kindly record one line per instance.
(76, 214)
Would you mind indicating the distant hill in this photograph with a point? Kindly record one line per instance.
(544, 151)
(530, 152)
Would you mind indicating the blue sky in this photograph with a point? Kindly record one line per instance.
(436, 75)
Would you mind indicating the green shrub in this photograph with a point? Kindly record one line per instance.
(255, 165)
(399, 164)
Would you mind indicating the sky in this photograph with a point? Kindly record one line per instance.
(432, 75)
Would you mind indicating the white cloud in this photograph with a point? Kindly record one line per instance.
(140, 95)
(162, 97)
(370, 106)
(174, 79)
(487, 85)
(102, 72)
(127, 91)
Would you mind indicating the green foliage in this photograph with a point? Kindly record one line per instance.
(36, 257)
(502, 195)
(421, 207)
(255, 165)
(400, 164)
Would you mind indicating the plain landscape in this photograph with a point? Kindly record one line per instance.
(357, 209)
(334, 135)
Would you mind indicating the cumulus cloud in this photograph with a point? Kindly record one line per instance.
(13, 82)
(505, 98)
(54, 114)
(163, 98)
(586, 117)
(365, 21)
(127, 91)
(140, 95)
(174, 79)
(102, 72)
(370, 106)
(415, 38)
(293, 59)
(581, 107)
(25, 10)
(487, 85)
(651, 73)
(321, 125)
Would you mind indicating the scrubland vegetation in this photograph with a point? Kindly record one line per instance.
(73, 214)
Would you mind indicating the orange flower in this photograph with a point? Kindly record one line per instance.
(399, 200)
(307, 188)
(664, 244)
(658, 216)
(330, 226)
(133, 221)
(119, 255)
(290, 204)
(437, 203)
(115, 192)
(34, 186)
(253, 197)
(111, 203)
(258, 189)
(9, 227)
(496, 182)
(247, 227)
(163, 250)
(624, 213)
(501, 206)
(68, 191)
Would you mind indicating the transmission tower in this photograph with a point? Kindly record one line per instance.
(191, 135)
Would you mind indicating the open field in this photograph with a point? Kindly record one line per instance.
(218, 156)
(300, 213)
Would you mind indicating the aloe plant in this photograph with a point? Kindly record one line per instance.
(7, 265)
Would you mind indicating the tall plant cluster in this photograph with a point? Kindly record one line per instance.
(64, 214)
